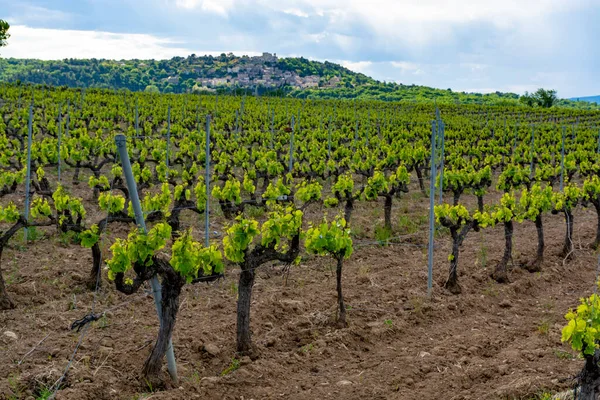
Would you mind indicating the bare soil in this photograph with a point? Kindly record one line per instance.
(490, 342)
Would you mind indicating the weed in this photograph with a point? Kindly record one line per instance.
(549, 306)
(43, 394)
(383, 235)
(544, 327)
(34, 234)
(235, 364)
(358, 232)
(306, 348)
(102, 322)
(408, 224)
(15, 387)
(490, 290)
(482, 255)
(563, 355)
(195, 377)
(67, 238)
(364, 270)
(389, 323)
(234, 289)
(417, 305)
(255, 212)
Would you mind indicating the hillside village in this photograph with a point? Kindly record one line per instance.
(254, 72)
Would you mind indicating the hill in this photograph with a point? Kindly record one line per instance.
(589, 99)
(265, 75)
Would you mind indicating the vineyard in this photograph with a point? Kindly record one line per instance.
(294, 248)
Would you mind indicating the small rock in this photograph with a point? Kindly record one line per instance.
(451, 307)
(505, 304)
(424, 354)
(409, 381)
(271, 342)
(472, 350)
(210, 379)
(11, 335)
(502, 369)
(245, 360)
(211, 349)
(344, 383)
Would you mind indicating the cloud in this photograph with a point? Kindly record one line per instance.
(219, 7)
(32, 14)
(55, 44)
(456, 43)
(358, 66)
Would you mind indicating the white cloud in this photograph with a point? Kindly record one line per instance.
(30, 14)
(408, 67)
(357, 66)
(55, 44)
(220, 7)
(297, 12)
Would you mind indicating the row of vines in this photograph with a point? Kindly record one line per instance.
(284, 157)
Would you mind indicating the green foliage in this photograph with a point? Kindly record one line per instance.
(567, 199)
(189, 256)
(541, 98)
(376, 185)
(159, 202)
(582, 331)
(67, 206)
(343, 186)
(4, 35)
(90, 237)
(239, 236)
(40, 208)
(329, 238)
(138, 248)
(200, 193)
(101, 182)
(306, 192)
(230, 191)
(447, 214)
(110, 203)
(282, 224)
(535, 201)
(276, 191)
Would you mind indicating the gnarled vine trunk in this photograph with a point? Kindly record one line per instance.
(171, 289)
(348, 208)
(245, 285)
(500, 273)
(480, 203)
(94, 279)
(387, 211)
(253, 260)
(458, 236)
(568, 247)
(171, 286)
(589, 378)
(5, 301)
(536, 265)
(341, 320)
(597, 240)
(420, 179)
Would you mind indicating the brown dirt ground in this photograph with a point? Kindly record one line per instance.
(491, 342)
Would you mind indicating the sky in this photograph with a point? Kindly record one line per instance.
(466, 45)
